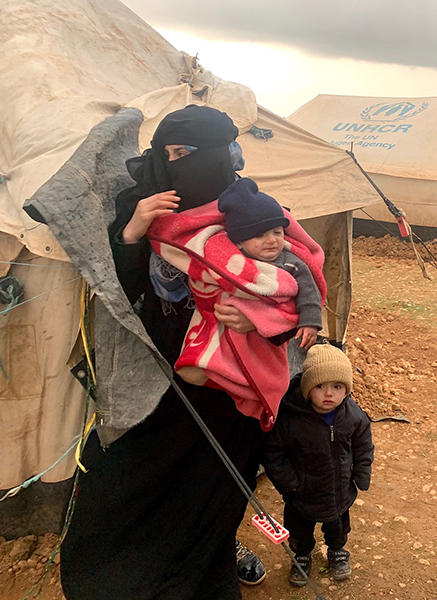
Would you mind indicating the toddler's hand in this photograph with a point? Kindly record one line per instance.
(308, 335)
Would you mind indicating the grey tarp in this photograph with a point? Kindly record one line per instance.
(127, 361)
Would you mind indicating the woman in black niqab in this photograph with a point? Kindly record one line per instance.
(157, 512)
(198, 178)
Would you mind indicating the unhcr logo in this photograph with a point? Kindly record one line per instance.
(382, 118)
(397, 111)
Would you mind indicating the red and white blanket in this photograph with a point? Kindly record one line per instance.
(247, 366)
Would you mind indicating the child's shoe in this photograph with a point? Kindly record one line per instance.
(339, 564)
(296, 577)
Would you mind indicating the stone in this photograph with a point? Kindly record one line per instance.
(23, 547)
(359, 502)
(400, 519)
(32, 563)
(325, 581)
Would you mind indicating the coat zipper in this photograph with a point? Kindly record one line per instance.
(337, 474)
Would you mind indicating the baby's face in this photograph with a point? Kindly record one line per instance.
(327, 396)
(267, 246)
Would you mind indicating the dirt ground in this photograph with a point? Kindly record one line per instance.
(393, 543)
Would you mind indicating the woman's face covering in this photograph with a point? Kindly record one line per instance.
(199, 176)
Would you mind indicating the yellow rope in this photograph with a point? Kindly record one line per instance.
(92, 371)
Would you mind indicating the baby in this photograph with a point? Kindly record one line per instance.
(255, 223)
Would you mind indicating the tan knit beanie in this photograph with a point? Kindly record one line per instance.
(323, 363)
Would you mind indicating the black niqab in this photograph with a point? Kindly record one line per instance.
(198, 178)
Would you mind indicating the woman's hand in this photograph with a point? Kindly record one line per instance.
(233, 318)
(146, 212)
(308, 335)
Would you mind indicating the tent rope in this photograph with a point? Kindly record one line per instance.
(19, 264)
(14, 491)
(85, 333)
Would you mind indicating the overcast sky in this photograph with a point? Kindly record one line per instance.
(357, 47)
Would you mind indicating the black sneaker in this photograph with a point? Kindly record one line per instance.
(250, 569)
(296, 577)
(339, 564)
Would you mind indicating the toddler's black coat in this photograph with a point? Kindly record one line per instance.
(324, 464)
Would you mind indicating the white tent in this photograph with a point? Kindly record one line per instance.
(394, 140)
(66, 67)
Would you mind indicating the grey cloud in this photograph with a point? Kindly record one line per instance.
(385, 31)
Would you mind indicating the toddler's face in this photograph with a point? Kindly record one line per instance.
(327, 396)
(267, 246)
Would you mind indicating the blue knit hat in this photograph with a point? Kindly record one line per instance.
(248, 212)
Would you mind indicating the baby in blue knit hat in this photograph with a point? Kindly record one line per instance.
(255, 223)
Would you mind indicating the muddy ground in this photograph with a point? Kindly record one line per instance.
(393, 543)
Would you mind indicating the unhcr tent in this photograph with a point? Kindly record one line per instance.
(84, 84)
(394, 140)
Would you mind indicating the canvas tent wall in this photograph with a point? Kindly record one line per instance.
(67, 70)
(393, 139)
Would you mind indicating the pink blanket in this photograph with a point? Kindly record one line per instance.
(251, 369)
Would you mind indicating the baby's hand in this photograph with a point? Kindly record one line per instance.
(308, 335)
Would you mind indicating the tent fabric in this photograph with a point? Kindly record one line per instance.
(41, 404)
(393, 139)
(65, 69)
(66, 74)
